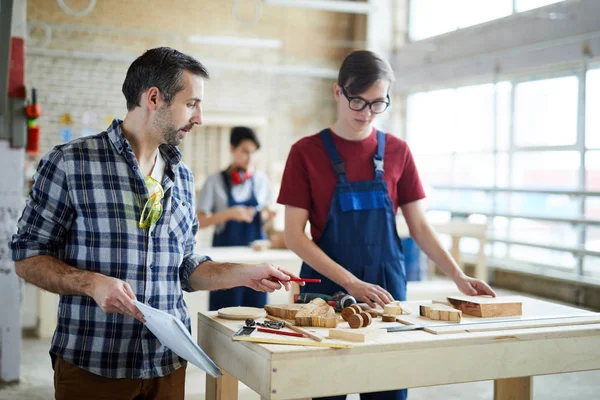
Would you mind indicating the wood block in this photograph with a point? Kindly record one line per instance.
(485, 306)
(347, 313)
(367, 319)
(316, 313)
(440, 312)
(357, 335)
(393, 309)
(355, 321)
(241, 312)
(357, 308)
(285, 311)
(388, 318)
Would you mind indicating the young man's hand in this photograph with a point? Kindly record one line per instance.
(473, 287)
(266, 277)
(365, 292)
(114, 295)
(242, 213)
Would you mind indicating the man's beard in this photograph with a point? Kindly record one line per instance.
(164, 124)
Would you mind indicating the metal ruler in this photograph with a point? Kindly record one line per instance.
(405, 328)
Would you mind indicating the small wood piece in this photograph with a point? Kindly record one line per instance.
(356, 335)
(355, 321)
(316, 313)
(347, 313)
(485, 306)
(440, 312)
(241, 313)
(388, 318)
(393, 309)
(357, 308)
(367, 319)
(373, 313)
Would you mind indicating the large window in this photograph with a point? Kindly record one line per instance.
(434, 17)
(513, 154)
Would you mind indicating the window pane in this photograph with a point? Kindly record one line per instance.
(434, 169)
(592, 168)
(475, 12)
(524, 5)
(555, 259)
(544, 205)
(546, 112)
(503, 92)
(591, 266)
(592, 208)
(475, 118)
(592, 103)
(592, 240)
(434, 17)
(549, 169)
(430, 121)
(473, 170)
(502, 170)
(542, 232)
(431, 17)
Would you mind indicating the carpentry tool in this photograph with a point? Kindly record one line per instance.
(293, 327)
(244, 334)
(266, 324)
(339, 300)
(307, 280)
(405, 328)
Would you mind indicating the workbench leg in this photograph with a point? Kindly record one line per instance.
(514, 388)
(223, 388)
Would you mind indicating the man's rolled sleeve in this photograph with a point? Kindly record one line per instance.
(191, 260)
(48, 213)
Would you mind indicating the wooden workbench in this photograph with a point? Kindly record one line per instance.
(508, 356)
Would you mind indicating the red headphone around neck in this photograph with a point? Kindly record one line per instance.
(239, 176)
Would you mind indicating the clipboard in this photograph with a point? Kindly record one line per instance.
(171, 332)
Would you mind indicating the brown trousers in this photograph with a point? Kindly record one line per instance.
(72, 382)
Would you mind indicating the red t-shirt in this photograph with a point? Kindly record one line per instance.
(309, 180)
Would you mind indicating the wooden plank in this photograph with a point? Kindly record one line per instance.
(357, 335)
(223, 388)
(513, 388)
(440, 312)
(485, 307)
(525, 324)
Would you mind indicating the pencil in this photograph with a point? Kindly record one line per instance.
(275, 331)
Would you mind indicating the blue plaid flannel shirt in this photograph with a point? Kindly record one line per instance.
(84, 209)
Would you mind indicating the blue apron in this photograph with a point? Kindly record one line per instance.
(237, 233)
(360, 235)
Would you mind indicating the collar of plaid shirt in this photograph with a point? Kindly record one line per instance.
(84, 209)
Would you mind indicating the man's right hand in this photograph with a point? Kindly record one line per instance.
(368, 293)
(115, 296)
(242, 213)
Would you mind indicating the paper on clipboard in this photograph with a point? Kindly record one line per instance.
(171, 332)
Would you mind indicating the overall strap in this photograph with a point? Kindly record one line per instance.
(378, 157)
(334, 156)
(225, 176)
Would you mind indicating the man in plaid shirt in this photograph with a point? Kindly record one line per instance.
(111, 219)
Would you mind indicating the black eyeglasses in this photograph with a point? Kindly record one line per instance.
(357, 103)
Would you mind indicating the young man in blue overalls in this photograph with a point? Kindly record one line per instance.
(235, 201)
(348, 181)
